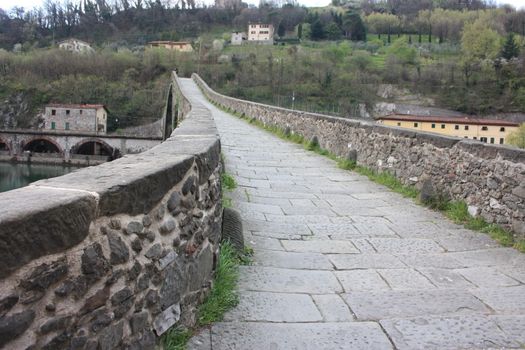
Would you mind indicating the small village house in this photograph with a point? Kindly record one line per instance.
(76, 117)
(484, 130)
(182, 46)
(238, 38)
(260, 33)
(75, 45)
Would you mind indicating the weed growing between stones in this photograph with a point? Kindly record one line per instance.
(221, 298)
(228, 182)
(457, 211)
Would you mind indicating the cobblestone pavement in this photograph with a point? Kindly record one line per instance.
(343, 263)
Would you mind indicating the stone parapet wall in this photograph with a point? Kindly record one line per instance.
(489, 178)
(112, 256)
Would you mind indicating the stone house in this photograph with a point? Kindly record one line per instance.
(82, 117)
(182, 46)
(484, 130)
(260, 33)
(75, 45)
(238, 38)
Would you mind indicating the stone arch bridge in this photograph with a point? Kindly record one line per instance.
(74, 147)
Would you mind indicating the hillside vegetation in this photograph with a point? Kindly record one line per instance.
(461, 55)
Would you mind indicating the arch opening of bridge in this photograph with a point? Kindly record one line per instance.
(95, 147)
(4, 146)
(42, 145)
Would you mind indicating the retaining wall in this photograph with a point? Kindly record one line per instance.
(490, 178)
(111, 256)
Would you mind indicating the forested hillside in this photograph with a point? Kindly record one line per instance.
(464, 55)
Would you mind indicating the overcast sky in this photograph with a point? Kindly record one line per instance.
(28, 4)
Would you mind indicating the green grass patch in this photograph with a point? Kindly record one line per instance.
(386, 179)
(176, 339)
(228, 182)
(221, 298)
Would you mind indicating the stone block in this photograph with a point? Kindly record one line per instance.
(31, 227)
(14, 325)
(166, 319)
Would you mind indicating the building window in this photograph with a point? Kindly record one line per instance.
(492, 140)
(53, 125)
(466, 127)
(474, 138)
(67, 126)
(484, 128)
(53, 112)
(501, 141)
(416, 125)
(433, 126)
(442, 126)
(68, 111)
(502, 129)
(465, 137)
(398, 124)
(483, 139)
(456, 127)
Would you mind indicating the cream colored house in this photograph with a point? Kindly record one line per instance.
(260, 33)
(182, 46)
(85, 118)
(75, 45)
(485, 130)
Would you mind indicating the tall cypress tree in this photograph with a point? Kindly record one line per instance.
(510, 48)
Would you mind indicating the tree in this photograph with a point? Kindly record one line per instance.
(354, 27)
(517, 138)
(510, 48)
(317, 31)
(479, 42)
(333, 32)
(281, 30)
(381, 23)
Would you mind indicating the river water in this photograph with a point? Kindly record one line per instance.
(21, 174)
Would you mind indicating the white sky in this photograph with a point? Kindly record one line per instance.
(29, 4)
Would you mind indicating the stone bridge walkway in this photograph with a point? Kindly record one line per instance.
(343, 263)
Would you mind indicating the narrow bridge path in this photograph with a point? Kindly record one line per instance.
(343, 263)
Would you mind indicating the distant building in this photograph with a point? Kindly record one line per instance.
(75, 45)
(182, 46)
(238, 38)
(260, 33)
(228, 4)
(85, 118)
(485, 130)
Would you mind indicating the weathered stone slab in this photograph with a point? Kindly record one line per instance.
(512, 325)
(487, 277)
(446, 278)
(270, 279)
(259, 208)
(333, 308)
(490, 257)
(321, 246)
(166, 319)
(405, 246)
(200, 341)
(459, 332)
(39, 221)
(508, 299)
(274, 307)
(343, 230)
(267, 226)
(258, 243)
(441, 261)
(131, 185)
(365, 261)
(372, 305)
(361, 280)
(405, 279)
(307, 336)
(289, 260)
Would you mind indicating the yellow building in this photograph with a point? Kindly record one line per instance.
(484, 130)
(182, 46)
